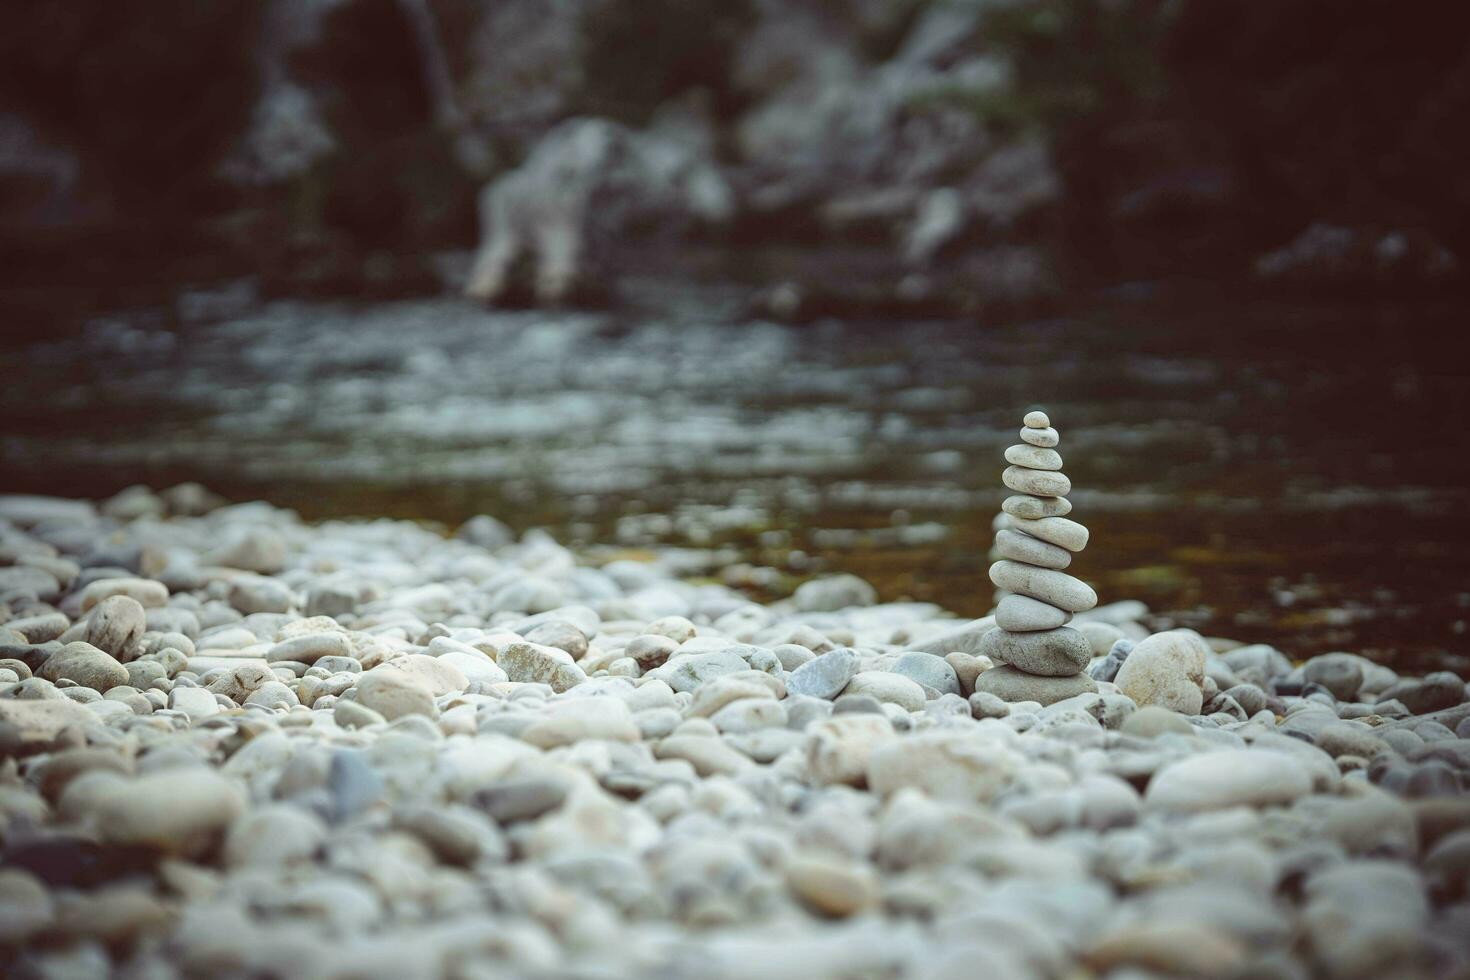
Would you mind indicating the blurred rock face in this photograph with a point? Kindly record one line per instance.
(323, 138)
(286, 134)
(92, 119)
(584, 186)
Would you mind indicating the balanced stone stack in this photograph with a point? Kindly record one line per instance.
(1043, 659)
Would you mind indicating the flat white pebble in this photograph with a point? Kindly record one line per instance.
(1024, 548)
(1045, 585)
(1040, 483)
(1054, 530)
(1034, 458)
(1028, 507)
(1019, 613)
(1041, 438)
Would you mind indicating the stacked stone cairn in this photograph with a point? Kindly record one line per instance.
(1043, 659)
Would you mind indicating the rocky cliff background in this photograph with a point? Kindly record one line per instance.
(848, 155)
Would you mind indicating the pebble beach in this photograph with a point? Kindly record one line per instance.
(237, 744)
(723, 489)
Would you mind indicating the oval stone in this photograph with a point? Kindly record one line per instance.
(1010, 684)
(1034, 457)
(1045, 438)
(824, 676)
(891, 688)
(1228, 778)
(1048, 585)
(179, 812)
(1022, 614)
(1037, 420)
(84, 664)
(1060, 652)
(115, 625)
(1035, 508)
(1054, 530)
(1038, 482)
(310, 647)
(1167, 669)
(1023, 547)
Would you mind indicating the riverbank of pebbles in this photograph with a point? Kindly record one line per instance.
(238, 745)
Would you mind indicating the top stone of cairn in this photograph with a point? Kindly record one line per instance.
(1036, 420)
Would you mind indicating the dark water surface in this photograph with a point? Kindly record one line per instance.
(1263, 472)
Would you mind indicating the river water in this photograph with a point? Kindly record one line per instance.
(1260, 471)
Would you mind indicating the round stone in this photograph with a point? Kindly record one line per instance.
(1166, 670)
(832, 886)
(986, 705)
(1228, 778)
(1340, 673)
(115, 624)
(25, 906)
(650, 650)
(1350, 738)
(1151, 721)
(889, 688)
(1035, 508)
(1034, 457)
(53, 775)
(146, 592)
(1048, 585)
(1010, 684)
(569, 722)
(1040, 483)
(1024, 548)
(1023, 614)
(1436, 692)
(535, 664)
(172, 810)
(273, 694)
(1054, 530)
(350, 714)
(1044, 438)
(437, 674)
(195, 702)
(273, 836)
(84, 664)
(838, 749)
(310, 647)
(944, 765)
(393, 694)
(1037, 420)
(1059, 652)
(1102, 636)
(833, 593)
(824, 676)
(929, 670)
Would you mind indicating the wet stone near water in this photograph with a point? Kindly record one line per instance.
(658, 776)
(1058, 652)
